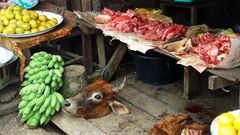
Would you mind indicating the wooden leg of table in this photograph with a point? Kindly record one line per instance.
(193, 16)
(27, 54)
(87, 53)
(114, 61)
(235, 97)
(191, 82)
(101, 51)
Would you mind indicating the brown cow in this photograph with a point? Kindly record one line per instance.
(96, 100)
(178, 125)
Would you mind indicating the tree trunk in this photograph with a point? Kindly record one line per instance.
(75, 79)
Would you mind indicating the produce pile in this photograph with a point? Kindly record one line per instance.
(40, 99)
(15, 20)
(211, 49)
(130, 21)
(228, 124)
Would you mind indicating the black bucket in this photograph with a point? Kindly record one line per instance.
(155, 68)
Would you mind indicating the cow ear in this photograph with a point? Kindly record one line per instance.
(118, 108)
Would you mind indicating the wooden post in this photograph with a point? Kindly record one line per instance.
(114, 62)
(191, 82)
(101, 51)
(87, 52)
(75, 79)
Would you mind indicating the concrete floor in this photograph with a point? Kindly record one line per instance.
(147, 103)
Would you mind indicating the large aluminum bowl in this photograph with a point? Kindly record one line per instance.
(49, 16)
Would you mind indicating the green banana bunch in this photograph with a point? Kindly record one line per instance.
(43, 77)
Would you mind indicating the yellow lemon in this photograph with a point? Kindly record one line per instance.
(226, 130)
(43, 18)
(33, 30)
(225, 118)
(33, 23)
(236, 123)
(42, 28)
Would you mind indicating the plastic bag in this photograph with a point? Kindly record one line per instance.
(233, 58)
(26, 4)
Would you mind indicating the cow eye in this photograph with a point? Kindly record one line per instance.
(98, 97)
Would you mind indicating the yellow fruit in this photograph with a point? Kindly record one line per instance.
(43, 18)
(236, 123)
(3, 11)
(1, 22)
(48, 25)
(20, 23)
(13, 21)
(19, 16)
(17, 8)
(34, 30)
(5, 31)
(9, 15)
(34, 15)
(54, 20)
(42, 28)
(225, 118)
(11, 7)
(51, 22)
(25, 12)
(26, 26)
(10, 30)
(6, 22)
(26, 18)
(20, 30)
(226, 130)
(33, 23)
(16, 12)
(38, 22)
(12, 25)
(27, 32)
(1, 28)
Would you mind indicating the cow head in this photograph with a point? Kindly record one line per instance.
(96, 100)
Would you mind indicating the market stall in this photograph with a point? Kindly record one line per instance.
(178, 49)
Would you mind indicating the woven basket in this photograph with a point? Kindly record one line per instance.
(4, 76)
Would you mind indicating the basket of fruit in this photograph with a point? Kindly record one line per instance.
(226, 124)
(17, 22)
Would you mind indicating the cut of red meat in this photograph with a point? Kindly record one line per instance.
(129, 22)
(212, 49)
(102, 19)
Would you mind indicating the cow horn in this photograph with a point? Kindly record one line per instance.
(120, 86)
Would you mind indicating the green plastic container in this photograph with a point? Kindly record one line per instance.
(184, 0)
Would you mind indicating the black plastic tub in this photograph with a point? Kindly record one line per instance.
(155, 68)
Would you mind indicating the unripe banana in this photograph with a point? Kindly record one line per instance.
(47, 91)
(58, 106)
(47, 101)
(49, 110)
(43, 119)
(23, 119)
(57, 72)
(40, 101)
(54, 100)
(23, 103)
(59, 97)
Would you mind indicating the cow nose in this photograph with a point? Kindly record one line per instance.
(66, 103)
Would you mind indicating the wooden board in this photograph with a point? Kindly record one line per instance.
(75, 126)
(216, 82)
(146, 103)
